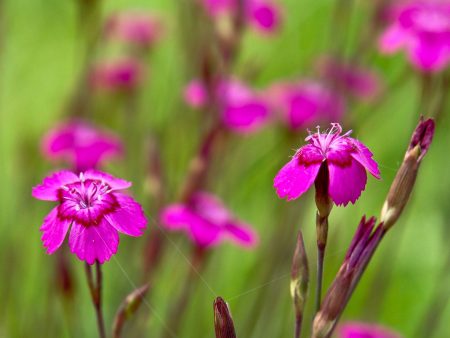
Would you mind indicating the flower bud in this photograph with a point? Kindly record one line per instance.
(299, 279)
(128, 307)
(405, 179)
(223, 323)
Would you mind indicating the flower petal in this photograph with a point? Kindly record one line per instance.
(54, 231)
(48, 190)
(129, 218)
(204, 233)
(114, 182)
(430, 53)
(364, 156)
(294, 179)
(91, 243)
(176, 216)
(346, 183)
(241, 234)
(393, 39)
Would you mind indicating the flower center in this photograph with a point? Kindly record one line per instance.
(85, 194)
(324, 141)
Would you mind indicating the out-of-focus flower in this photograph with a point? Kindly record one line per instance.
(363, 330)
(195, 94)
(91, 204)
(263, 15)
(139, 28)
(358, 82)
(346, 159)
(207, 222)
(242, 109)
(81, 144)
(117, 75)
(422, 29)
(305, 103)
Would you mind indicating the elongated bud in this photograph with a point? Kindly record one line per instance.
(223, 323)
(406, 176)
(128, 307)
(299, 275)
(299, 281)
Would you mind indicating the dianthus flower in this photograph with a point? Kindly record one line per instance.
(81, 144)
(207, 222)
(117, 75)
(134, 27)
(362, 330)
(92, 206)
(345, 158)
(263, 15)
(242, 109)
(305, 103)
(422, 29)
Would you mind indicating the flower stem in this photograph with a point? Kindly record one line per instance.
(322, 234)
(96, 294)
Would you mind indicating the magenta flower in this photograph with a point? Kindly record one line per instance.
(346, 158)
(362, 330)
(359, 82)
(81, 144)
(243, 109)
(195, 94)
(305, 103)
(263, 15)
(207, 222)
(91, 204)
(117, 75)
(134, 27)
(422, 29)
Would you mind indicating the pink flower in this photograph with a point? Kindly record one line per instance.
(243, 109)
(135, 27)
(263, 15)
(207, 222)
(422, 29)
(361, 330)
(305, 103)
(195, 94)
(91, 204)
(117, 75)
(81, 144)
(359, 82)
(346, 159)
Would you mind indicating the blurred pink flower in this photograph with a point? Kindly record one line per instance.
(81, 144)
(305, 103)
(362, 330)
(346, 158)
(139, 28)
(359, 82)
(422, 29)
(195, 94)
(263, 15)
(207, 222)
(91, 205)
(244, 110)
(117, 75)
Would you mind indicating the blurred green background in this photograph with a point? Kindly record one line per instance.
(40, 60)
